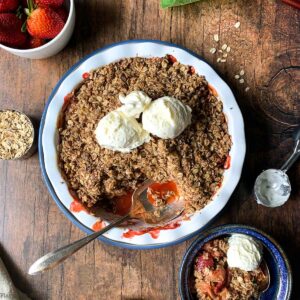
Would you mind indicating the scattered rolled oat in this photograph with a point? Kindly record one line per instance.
(224, 47)
(241, 80)
(228, 49)
(247, 89)
(225, 55)
(213, 50)
(223, 60)
(16, 134)
(216, 37)
(219, 59)
(237, 24)
(236, 76)
(220, 51)
(242, 72)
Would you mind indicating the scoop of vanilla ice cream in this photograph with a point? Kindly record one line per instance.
(244, 252)
(166, 117)
(119, 132)
(134, 103)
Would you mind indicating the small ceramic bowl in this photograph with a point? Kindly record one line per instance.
(279, 267)
(55, 45)
(31, 149)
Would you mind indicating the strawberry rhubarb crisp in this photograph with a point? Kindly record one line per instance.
(215, 279)
(100, 164)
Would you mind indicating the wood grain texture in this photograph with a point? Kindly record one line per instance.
(266, 46)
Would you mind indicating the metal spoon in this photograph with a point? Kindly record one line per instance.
(266, 271)
(139, 197)
(266, 188)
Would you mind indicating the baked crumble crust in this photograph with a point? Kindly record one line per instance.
(194, 160)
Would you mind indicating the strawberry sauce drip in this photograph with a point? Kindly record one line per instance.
(213, 90)
(98, 225)
(67, 100)
(172, 59)
(153, 231)
(192, 70)
(76, 206)
(227, 162)
(85, 75)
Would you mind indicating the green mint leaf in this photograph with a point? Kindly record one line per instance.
(171, 3)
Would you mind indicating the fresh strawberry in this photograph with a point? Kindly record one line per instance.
(51, 3)
(8, 5)
(62, 12)
(36, 42)
(44, 23)
(10, 30)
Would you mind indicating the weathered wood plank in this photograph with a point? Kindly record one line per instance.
(266, 46)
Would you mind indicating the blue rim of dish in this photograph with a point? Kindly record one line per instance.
(50, 188)
(274, 249)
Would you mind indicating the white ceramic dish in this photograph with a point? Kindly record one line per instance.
(48, 139)
(55, 45)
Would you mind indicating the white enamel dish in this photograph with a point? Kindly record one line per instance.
(48, 142)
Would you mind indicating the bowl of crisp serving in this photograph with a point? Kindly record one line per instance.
(235, 262)
(139, 110)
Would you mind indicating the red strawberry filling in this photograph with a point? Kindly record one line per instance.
(205, 260)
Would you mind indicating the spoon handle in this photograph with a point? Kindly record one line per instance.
(55, 257)
(296, 153)
(296, 134)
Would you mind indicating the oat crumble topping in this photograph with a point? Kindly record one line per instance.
(194, 160)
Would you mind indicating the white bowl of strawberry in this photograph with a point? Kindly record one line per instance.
(36, 28)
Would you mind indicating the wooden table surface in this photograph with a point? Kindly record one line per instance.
(266, 47)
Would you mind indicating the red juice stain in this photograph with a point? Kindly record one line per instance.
(98, 225)
(192, 70)
(218, 187)
(76, 206)
(153, 231)
(85, 75)
(227, 162)
(172, 59)
(132, 233)
(213, 90)
(67, 100)
(226, 118)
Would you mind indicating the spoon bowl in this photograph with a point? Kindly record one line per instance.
(272, 187)
(144, 210)
(266, 271)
